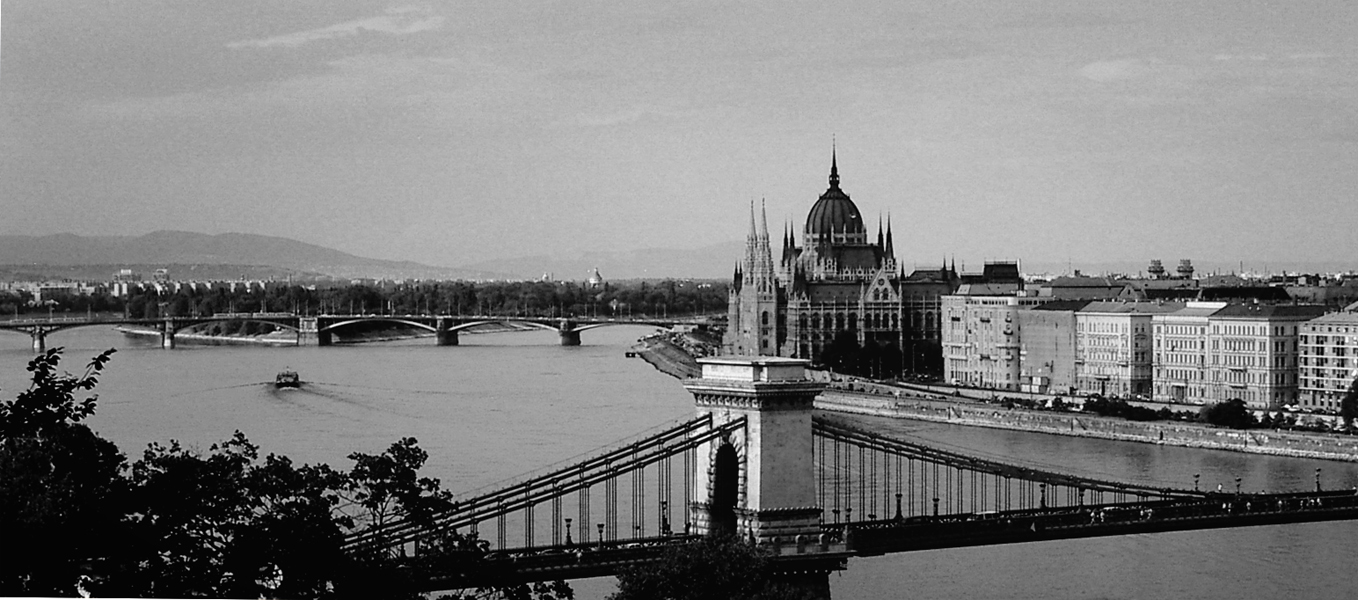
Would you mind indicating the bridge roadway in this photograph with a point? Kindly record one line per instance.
(832, 549)
(320, 330)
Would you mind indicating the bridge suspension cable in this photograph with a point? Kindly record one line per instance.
(866, 476)
(655, 453)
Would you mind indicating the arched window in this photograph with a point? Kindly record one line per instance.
(801, 322)
(853, 321)
(839, 321)
(815, 320)
(764, 317)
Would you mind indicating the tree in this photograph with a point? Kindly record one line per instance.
(225, 524)
(711, 568)
(1231, 413)
(61, 489)
(184, 523)
(841, 354)
(1348, 407)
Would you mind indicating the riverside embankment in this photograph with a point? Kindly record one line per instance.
(667, 356)
(1258, 441)
(924, 405)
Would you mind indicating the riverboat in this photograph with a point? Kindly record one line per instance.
(287, 379)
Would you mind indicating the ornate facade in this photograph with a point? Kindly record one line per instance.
(838, 284)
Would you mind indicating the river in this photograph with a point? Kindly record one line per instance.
(504, 404)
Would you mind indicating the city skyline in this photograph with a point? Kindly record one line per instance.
(1046, 132)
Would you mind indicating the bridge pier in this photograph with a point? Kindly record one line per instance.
(39, 341)
(762, 484)
(306, 331)
(570, 336)
(444, 336)
(167, 335)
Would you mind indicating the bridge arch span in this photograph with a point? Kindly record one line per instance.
(181, 324)
(588, 326)
(506, 321)
(331, 327)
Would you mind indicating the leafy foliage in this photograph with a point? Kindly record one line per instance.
(1348, 406)
(50, 401)
(713, 568)
(60, 483)
(877, 361)
(1231, 413)
(668, 297)
(185, 523)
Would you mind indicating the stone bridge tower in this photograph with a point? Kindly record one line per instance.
(760, 481)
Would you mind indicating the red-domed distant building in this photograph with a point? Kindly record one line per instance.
(837, 284)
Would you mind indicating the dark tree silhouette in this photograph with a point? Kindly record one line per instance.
(721, 567)
(1231, 413)
(1348, 407)
(61, 488)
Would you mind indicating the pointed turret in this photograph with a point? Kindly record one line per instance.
(881, 245)
(890, 248)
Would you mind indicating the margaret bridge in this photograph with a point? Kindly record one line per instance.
(321, 330)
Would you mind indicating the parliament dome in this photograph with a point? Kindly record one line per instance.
(835, 217)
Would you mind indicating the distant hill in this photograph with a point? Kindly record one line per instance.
(709, 262)
(206, 256)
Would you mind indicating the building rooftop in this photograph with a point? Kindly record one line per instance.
(1271, 311)
(1133, 307)
(1060, 305)
(1346, 317)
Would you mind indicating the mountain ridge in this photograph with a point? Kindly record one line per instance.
(169, 247)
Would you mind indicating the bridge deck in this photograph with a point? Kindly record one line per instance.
(902, 535)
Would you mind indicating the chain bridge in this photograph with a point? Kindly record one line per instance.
(320, 330)
(755, 462)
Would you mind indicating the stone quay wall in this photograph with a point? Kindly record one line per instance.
(1258, 441)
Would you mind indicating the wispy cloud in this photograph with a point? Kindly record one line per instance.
(394, 21)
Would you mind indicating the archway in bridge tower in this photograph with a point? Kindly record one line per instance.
(725, 490)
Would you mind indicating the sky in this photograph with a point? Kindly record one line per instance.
(455, 132)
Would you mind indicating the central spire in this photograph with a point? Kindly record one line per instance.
(834, 168)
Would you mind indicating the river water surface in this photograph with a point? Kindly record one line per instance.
(503, 404)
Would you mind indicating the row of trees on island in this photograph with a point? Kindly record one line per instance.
(77, 518)
(666, 298)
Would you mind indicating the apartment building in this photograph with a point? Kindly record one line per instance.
(981, 338)
(1047, 347)
(1179, 359)
(1328, 359)
(1253, 353)
(1113, 347)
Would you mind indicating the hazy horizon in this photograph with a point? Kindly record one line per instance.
(451, 135)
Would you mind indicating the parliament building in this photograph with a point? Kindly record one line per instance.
(839, 288)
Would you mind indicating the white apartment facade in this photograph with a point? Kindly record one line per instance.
(1253, 353)
(1113, 347)
(1179, 361)
(1328, 359)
